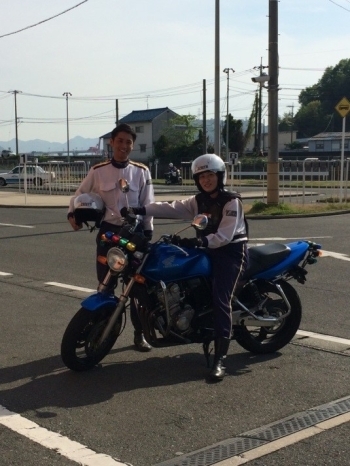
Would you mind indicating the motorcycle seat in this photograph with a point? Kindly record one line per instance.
(263, 257)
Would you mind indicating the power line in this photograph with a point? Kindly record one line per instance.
(43, 21)
(340, 6)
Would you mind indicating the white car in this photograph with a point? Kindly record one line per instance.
(35, 175)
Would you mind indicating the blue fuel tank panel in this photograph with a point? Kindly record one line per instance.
(169, 263)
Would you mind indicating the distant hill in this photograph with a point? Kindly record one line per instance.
(40, 145)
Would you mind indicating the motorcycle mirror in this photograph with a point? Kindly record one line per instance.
(200, 222)
(124, 185)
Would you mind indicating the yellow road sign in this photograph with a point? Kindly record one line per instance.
(343, 107)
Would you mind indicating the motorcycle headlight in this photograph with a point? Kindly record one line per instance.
(117, 260)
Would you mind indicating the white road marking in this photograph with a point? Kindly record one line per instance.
(63, 445)
(335, 255)
(284, 442)
(5, 274)
(13, 225)
(70, 287)
(320, 336)
(278, 238)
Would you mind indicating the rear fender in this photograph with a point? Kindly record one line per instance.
(99, 300)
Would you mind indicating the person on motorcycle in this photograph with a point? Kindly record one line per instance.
(102, 179)
(225, 239)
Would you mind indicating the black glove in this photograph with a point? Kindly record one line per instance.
(175, 240)
(148, 234)
(124, 212)
(138, 210)
(189, 242)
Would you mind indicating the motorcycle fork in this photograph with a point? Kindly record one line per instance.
(123, 298)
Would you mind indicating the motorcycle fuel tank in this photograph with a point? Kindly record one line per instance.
(167, 262)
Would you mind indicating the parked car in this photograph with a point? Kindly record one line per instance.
(6, 153)
(35, 175)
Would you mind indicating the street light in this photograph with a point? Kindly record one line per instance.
(227, 71)
(67, 94)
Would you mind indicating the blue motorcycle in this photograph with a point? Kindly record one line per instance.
(171, 289)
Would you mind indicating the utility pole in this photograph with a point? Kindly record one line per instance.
(217, 80)
(67, 94)
(16, 119)
(272, 158)
(116, 112)
(227, 71)
(259, 109)
(291, 123)
(205, 148)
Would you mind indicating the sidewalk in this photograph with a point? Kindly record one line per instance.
(16, 199)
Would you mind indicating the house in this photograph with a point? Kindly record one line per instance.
(148, 125)
(329, 142)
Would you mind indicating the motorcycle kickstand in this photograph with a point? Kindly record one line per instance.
(207, 352)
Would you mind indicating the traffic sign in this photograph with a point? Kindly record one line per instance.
(343, 107)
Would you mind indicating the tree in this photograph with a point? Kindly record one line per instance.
(319, 101)
(311, 120)
(180, 131)
(235, 134)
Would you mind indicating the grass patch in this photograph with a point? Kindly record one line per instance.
(260, 208)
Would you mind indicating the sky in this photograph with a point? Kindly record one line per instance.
(153, 54)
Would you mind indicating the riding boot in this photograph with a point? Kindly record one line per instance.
(217, 372)
(141, 343)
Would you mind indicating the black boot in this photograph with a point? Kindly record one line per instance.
(141, 343)
(217, 372)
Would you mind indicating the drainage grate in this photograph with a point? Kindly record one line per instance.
(257, 437)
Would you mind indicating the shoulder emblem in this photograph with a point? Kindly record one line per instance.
(139, 164)
(102, 164)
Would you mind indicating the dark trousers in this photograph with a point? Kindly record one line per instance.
(228, 262)
(103, 269)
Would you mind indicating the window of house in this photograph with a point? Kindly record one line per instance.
(143, 147)
(336, 145)
(319, 145)
(139, 129)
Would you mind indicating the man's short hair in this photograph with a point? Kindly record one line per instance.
(123, 127)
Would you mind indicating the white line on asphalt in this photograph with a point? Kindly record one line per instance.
(63, 445)
(5, 274)
(70, 287)
(277, 238)
(335, 255)
(13, 225)
(320, 336)
(284, 442)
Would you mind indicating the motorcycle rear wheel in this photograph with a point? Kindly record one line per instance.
(264, 340)
(80, 350)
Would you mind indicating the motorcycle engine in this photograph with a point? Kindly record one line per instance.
(181, 313)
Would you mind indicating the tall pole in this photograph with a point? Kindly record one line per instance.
(116, 112)
(292, 123)
(217, 80)
(67, 94)
(205, 148)
(272, 159)
(227, 71)
(16, 118)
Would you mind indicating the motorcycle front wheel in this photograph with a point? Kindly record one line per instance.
(264, 340)
(80, 347)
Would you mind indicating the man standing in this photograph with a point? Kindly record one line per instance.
(103, 179)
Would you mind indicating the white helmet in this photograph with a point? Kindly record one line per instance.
(88, 207)
(211, 163)
(171, 165)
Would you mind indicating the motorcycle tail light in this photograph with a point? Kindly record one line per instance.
(102, 259)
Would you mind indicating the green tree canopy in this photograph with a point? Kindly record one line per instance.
(319, 101)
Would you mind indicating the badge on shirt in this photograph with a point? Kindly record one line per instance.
(231, 213)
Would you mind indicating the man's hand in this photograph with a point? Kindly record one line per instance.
(124, 211)
(75, 226)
